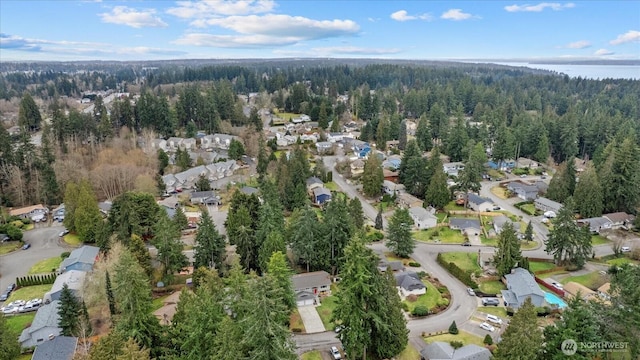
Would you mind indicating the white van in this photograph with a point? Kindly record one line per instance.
(625, 249)
(494, 319)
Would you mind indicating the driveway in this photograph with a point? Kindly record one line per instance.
(311, 319)
(44, 244)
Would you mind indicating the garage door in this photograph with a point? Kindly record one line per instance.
(305, 302)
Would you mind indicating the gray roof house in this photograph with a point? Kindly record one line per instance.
(248, 190)
(439, 350)
(81, 259)
(74, 280)
(523, 191)
(204, 197)
(313, 183)
(465, 225)
(44, 326)
(545, 205)
(595, 224)
(520, 286)
(409, 283)
(383, 265)
(500, 221)
(422, 218)
(308, 286)
(478, 203)
(60, 348)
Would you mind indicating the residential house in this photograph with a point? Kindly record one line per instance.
(105, 207)
(173, 143)
(204, 197)
(81, 259)
(14, 130)
(572, 289)
(544, 204)
(44, 326)
(407, 200)
(188, 144)
(171, 202)
(74, 280)
(595, 224)
(466, 226)
(159, 144)
(314, 283)
(60, 348)
(395, 266)
(503, 165)
(357, 167)
(223, 141)
(478, 203)
(439, 350)
(526, 163)
(335, 137)
(500, 221)
(58, 213)
(604, 291)
(453, 169)
(523, 191)
(321, 196)
(29, 212)
(391, 188)
(248, 190)
(409, 283)
(324, 147)
(389, 175)
(360, 148)
(422, 219)
(620, 220)
(168, 310)
(392, 162)
(520, 286)
(314, 183)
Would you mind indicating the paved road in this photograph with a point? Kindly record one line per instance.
(44, 244)
(321, 341)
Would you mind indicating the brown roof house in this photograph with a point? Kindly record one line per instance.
(309, 286)
(572, 289)
(168, 310)
(620, 220)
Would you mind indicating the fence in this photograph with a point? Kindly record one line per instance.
(551, 288)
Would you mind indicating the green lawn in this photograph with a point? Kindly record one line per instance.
(491, 287)
(536, 266)
(441, 216)
(528, 208)
(331, 186)
(622, 261)
(598, 240)
(28, 227)
(464, 337)
(29, 292)
(452, 206)
(17, 323)
(464, 260)
(444, 234)
(428, 300)
(528, 245)
(591, 280)
(9, 247)
(46, 266)
(494, 310)
(295, 321)
(409, 353)
(157, 303)
(488, 242)
(499, 191)
(325, 310)
(548, 275)
(312, 355)
(72, 239)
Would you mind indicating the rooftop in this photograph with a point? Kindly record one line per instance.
(309, 280)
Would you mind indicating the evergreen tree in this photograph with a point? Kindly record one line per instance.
(588, 194)
(392, 338)
(402, 135)
(110, 298)
(508, 254)
(140, 252)
(568, 244)
(488, 340)
(471, 176)
(210, 245)
(338, 229)
(236, 150)
(272, 244)
(503, 147)
(411, 153)
(372, 177)
(228, 341)
(453, 328)
(528, 232)
(399, 238)
(457, 139)
(306, 241)
(9, 346)
(279, 271)
(423, 134)
(108, 347)
(562, 184)
(271, 220)
(241, 233)
(203, 184)
(167, 240)
(180, 219)
(522, 339)
(183, 161)
(356, 213)
(438, 194)
(29, 117)
(379, 223)
(622, 180)
(69, 312)
(132, 351)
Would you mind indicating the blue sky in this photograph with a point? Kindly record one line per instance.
(146, 30)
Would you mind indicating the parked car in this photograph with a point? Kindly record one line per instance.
(335, 353)
(496, 208)
(10, 310)
(494, 319)
(471, 292)
(487, 327)
(550, 214)
(466, 243)
(4, 296)
(63, 233)
(557, 285)
(490, 301)
(11, 287)
(339, 328)
(625, 249)
(26, 246)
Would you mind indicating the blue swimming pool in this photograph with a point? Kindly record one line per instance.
(553, 299)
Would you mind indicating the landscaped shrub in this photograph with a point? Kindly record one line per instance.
(14, 233)
(36, 280)
(412, 298)
(488, 340)
(423, 274)
(510, 311)
(420, 310)
(296, 330)
(456, 344)
(453, 328)
(458, 273)
(374, 236)
(404, 306)
(65, 255)
(442, 302)
(442, 289)
(17, 223)
(414, 264)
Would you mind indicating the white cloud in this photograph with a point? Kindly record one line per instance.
(456, 15)
(539, 7)
(212, 8)
(354, 50)
(373, 19)
(402, 15)
(629, 36)
(602, 52)
(123, 15)
(235, 41)
(578, 44)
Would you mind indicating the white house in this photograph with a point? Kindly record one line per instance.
(478, 203)
(453, 168)
(422, 219)
(173, 143)
(188, 144)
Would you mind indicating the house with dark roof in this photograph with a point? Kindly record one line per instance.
(321, 196)
(248, 190)
(383, 265)
(60, 348)
(409, 283)
(439, 350)
(521, 286)
(313, 183)
(523, 191)
(595, 224)
(309, 286)
(74, 280)
(478, 203)
(81, 259)
(500, 221)
(544, 204)
(620, 220)
(466, 226)
(422, 218)
(44, 326)
(204, 197)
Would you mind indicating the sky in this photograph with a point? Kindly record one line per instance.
(62, 30)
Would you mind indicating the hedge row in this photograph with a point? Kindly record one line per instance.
(458, 273)
(36, 280)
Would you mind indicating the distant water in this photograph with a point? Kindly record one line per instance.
(587, 71)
